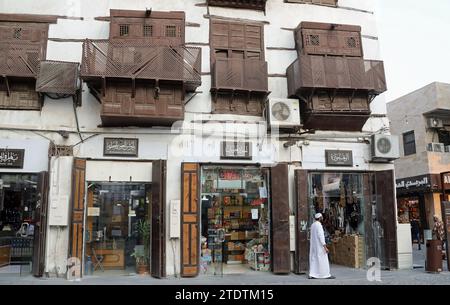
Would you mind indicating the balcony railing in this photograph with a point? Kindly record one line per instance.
(239, 74)
(102, 58)
(247, 4)
(311, 72)
(19, 59)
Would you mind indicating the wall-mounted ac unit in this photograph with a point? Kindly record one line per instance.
(385, 148)
(435, 123)
(436, 147)
(283, 113)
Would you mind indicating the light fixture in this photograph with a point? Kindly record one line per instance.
(204, 198)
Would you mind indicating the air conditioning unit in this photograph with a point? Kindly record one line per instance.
(385, 148)
(435, 123)
(436, 147)
(283, 113)
(447, 148)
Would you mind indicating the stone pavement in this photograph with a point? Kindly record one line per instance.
(344, 276)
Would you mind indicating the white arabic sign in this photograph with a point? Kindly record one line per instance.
(11, 158)
(121, 146)
(337, 157)
(413, 183)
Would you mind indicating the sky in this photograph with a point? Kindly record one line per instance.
(414, 39)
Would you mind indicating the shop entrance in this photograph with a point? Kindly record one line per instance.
(234, 220)
(412, 210)
(22, 197)
(117, 230)
(340, 198)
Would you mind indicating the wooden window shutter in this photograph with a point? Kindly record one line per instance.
(40, 229)
(386, 200)
(281, 259)
(301, 260)
(158, 206)
(190, 220)
(78, 194)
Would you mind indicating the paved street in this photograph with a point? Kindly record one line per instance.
(344, 276)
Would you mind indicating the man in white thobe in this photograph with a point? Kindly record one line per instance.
(319, 267)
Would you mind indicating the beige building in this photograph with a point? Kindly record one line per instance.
(422, 120)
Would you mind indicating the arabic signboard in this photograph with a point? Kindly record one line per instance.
(446, 181)
(422, 182)
(120, 147)
(446, 218)
(236, 150)
(339, 157)
(11, 158)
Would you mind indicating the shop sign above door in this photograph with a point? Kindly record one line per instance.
(11, 158)
(415, 183)
(339, 157)
(236, 150)
(446, 178)
(121, 147)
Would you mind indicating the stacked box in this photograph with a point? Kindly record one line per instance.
(347, 251)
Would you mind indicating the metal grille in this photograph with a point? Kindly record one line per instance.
(314, 40)
(60, 150)
(20, 59)
(57, 77)
(351, 42)
(102, 58)
(240, 74)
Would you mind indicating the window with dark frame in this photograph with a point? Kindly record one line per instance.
(444, 137)
(17, 33)
(171, 31)
(124, 30)
(409, 143)
(148, 30)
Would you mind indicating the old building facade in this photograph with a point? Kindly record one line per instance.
(223, 126)
(421, 120)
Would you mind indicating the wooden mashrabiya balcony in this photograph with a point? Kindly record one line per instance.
(139, 83)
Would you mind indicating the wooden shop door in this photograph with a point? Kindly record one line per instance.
(190, 220)
(301, 260)
(385, 191)
(158, 207)
(40, 229)
(279, 186)
(78, 203)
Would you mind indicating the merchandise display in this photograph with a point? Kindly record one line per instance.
(236, 215)
(339, 197)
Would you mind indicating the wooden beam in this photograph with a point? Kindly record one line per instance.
(281, 49)
(66, 40)
(142, 14)
(193, 24)
(249, 21)
(29, 18)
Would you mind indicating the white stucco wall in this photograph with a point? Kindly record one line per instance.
(162, 143)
